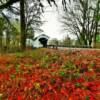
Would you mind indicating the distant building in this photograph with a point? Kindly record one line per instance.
(39, 41)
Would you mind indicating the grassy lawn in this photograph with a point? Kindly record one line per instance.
(46, 74)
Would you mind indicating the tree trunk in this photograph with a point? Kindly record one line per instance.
(85, 42)
(23, 25)
(96, 23)
(7, 39)
(0, 41)
(90, 43)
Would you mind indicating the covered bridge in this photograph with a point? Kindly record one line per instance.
(39, 41)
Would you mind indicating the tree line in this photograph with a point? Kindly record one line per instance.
(80, 17)
(7, 4)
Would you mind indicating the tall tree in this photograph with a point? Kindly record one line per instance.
(80, 20)
(33, 17)
(2, 27)
(22, 15)
(23, 24)
(23, 18)
(97, 22)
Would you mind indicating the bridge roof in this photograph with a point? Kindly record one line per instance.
(41, 36)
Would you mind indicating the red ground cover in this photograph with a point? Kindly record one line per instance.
(56, 75)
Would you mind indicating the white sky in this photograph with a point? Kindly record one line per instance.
(52, 27)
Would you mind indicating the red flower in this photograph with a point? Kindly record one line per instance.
(91, 98)
(1, 76)
(10, 98)
(80, 80)
(64, 91)
(19, 98)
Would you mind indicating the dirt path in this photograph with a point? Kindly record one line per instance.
(66, 48)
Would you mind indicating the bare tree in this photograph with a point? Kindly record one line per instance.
(8, 3)
(2, 27)
(33, 17)
(80, 20)
(29, 12)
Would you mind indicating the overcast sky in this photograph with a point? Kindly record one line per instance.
(52, 26)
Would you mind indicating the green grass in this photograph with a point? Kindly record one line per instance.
(36, 53)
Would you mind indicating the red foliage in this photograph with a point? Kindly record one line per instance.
(51, 78)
